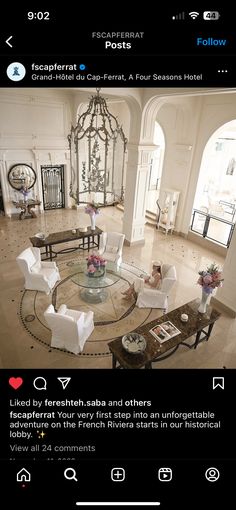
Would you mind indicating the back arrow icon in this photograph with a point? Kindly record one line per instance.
(7, 41)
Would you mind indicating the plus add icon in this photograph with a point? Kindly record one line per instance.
(118, 474)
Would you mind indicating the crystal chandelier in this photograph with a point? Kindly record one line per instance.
(97, 155)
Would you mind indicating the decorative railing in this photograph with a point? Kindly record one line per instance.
(212, 227)
(228, 208)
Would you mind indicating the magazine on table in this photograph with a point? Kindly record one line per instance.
(164, 331)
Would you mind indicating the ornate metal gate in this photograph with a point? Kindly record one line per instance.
(53, 187)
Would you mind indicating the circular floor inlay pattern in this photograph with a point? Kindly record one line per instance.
(114, 317)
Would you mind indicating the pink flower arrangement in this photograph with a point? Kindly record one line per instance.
(211, 278)
(92, 208)
(95, 262)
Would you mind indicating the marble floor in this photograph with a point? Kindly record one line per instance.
(19, 350)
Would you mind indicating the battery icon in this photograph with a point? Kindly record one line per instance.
(211, 15)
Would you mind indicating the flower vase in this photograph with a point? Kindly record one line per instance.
(203, 304)
(102, 270)
(93, 222)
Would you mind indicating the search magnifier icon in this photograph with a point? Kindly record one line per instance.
(40, 383)
(70, 474)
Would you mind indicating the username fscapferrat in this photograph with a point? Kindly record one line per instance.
(117, 35)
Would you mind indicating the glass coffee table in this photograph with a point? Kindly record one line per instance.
(94, 287)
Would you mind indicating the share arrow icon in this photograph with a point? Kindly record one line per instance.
(64, 381)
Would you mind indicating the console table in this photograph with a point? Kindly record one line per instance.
(89, 239)
(199, 326)
(26, 208)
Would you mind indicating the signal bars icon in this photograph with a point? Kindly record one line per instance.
(179, 16)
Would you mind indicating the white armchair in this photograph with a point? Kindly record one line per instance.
(158, 298)
(111, 245)
(38, 275)
(70, 328)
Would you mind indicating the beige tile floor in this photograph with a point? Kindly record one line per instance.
(19, 350)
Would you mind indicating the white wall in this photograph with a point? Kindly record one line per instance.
(34, 124)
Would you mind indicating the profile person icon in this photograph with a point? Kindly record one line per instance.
(16, 71)
(212, 474)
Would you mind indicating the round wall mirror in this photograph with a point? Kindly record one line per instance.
(21, 175)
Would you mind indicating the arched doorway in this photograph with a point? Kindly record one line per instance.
(156, 167)
(214, 209)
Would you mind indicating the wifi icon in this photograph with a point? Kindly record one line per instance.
(194, 14)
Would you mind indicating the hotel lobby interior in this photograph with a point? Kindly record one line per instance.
(149, 181)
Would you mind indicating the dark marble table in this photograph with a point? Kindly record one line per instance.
(199, 325)
(87, 241)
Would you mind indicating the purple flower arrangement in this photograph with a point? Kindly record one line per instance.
(92, 208)
(210, 278)
(25, 192)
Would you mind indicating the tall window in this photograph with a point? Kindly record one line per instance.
(216, 189)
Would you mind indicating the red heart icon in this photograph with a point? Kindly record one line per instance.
(15, 382)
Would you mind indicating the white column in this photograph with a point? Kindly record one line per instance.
(7, 191)
(226, 295)
(138, 167)
(37, 189)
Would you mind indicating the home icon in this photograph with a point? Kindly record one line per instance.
(23, 476)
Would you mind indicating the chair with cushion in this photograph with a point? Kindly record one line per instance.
(70, 328)
(158, 298)
(111, 245)
(38, 275)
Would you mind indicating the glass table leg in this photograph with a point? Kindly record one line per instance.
(94, 295)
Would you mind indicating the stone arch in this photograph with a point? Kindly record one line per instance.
(214, 132)
(219, 123)
(149, 116)
(153, 108)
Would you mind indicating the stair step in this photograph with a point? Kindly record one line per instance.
(150, 222)
(120, 207)
(151, 218)
(150, 214)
